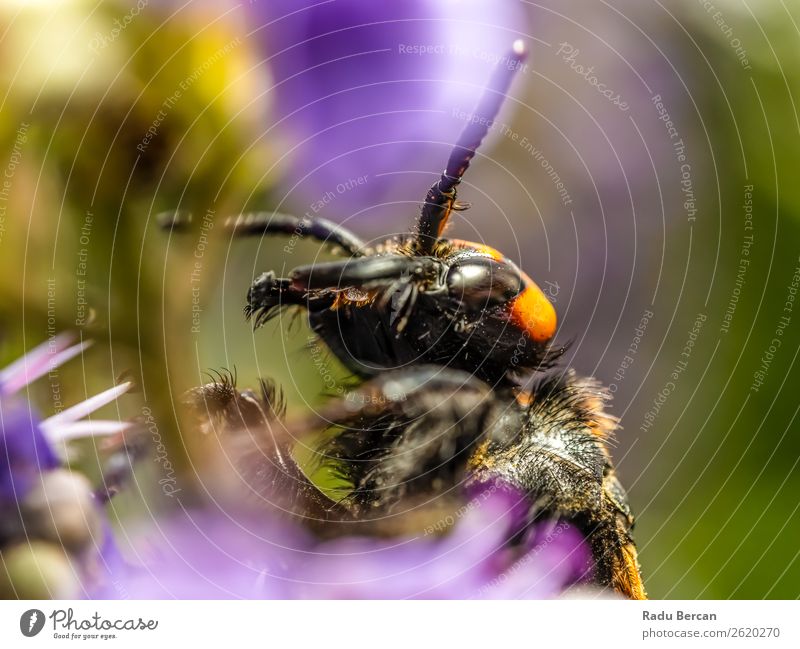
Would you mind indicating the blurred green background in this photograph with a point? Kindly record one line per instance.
(684, 246)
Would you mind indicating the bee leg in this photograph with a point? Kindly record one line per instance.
(627, 578)
(249, 426)
(364, 273)
(316, 286)
(615, 556)
(406, 432)
(316, 228)
(269, 293)
(256, 223)
(614, 550)
(560, 458)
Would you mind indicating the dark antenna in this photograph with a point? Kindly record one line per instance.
(441, 198)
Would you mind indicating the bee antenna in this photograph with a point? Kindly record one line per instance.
(441, 198)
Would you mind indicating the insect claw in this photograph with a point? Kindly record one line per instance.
(261, 318)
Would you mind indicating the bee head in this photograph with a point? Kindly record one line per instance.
(484, 283)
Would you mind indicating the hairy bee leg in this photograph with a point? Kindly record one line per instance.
(614, 550)
(316, 228)
(624, 573)
(316, 286)
(627, 576)
(615, 556)
(560, 458)
(273, 472)
(406, 432)
(268, 293)
(250, 427)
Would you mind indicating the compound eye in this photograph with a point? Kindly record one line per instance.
(480, 282)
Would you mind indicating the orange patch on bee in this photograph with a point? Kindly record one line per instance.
(532, 312)
(524, 399)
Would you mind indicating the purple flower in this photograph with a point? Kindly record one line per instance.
(205, 554)
(367, 88)
(214, 555)
(48, 514)
(24, 452)
(474, 560)
(30, 443)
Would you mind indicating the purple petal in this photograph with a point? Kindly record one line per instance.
(359, 99)
(39, 361)
(24, 451)
(202, 555)
(459, 565)
(87, 407)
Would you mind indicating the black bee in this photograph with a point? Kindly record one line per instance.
(450, 340)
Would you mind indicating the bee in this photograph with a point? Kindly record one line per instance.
(452, 346)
